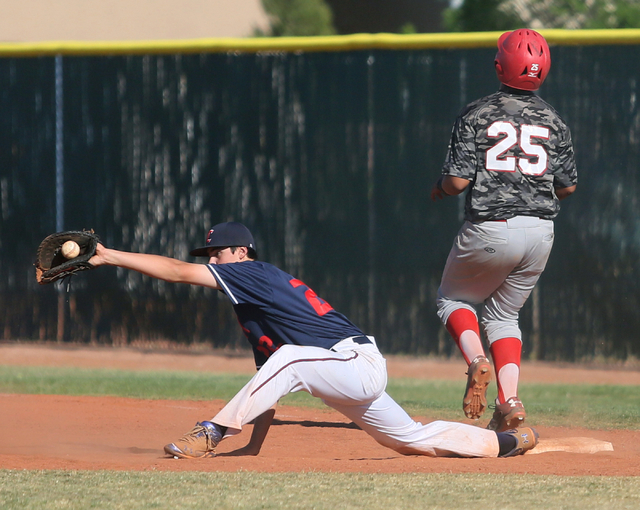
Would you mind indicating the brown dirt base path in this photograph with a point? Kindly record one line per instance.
(95, 433)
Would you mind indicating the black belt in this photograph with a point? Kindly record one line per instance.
(504, 220)
(362, 340)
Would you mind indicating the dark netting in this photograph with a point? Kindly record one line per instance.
(329, 159)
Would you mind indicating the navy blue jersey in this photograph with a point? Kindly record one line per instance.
(274, 308)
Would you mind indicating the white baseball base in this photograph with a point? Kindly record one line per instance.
(571, 445)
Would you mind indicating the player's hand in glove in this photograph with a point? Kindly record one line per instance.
(98, 256)
(52, 264)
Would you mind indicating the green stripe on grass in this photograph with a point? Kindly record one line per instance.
(120, 383)
(589, 406)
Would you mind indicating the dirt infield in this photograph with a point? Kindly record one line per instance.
(92, 433)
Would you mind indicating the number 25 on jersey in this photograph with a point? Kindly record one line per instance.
(534, 164)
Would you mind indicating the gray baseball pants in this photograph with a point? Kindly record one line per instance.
(495, 265)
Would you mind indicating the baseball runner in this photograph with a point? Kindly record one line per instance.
(300, 343)
(513, 154)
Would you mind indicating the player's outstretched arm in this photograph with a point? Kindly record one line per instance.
(156, 266)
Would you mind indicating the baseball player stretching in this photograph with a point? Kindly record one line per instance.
(514, 155)
(301, 343)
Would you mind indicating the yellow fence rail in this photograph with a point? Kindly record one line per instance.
(310, 44)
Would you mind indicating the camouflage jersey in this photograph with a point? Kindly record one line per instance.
(515, 149)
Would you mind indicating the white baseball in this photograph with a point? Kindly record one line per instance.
(70, 250)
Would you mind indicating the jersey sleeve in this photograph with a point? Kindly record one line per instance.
(243, 282)
(565, 174)
(461, 157)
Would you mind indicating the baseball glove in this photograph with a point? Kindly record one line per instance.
(52, 265)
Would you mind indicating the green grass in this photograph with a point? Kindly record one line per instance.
(220, 491)
(592, 406)
(562, 405)
(121, 383)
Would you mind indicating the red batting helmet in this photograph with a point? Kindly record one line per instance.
(523, 59)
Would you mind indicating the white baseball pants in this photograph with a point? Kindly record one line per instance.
(352, 380)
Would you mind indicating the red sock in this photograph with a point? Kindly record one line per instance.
(504, 352)
(462, 320)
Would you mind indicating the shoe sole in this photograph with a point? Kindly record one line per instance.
(475, 398)
(513, 420)
(175, 452)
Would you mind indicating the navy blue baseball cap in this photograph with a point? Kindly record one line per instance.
(225, 234)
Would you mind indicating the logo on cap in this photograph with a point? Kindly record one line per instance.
(209, 236)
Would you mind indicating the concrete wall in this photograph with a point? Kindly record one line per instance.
(123, 20)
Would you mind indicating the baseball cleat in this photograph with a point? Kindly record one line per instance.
(526, 439)
(475, 397)
(509, 415)
(200, 442)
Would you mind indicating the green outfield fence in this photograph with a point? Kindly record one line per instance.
(326, 147)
